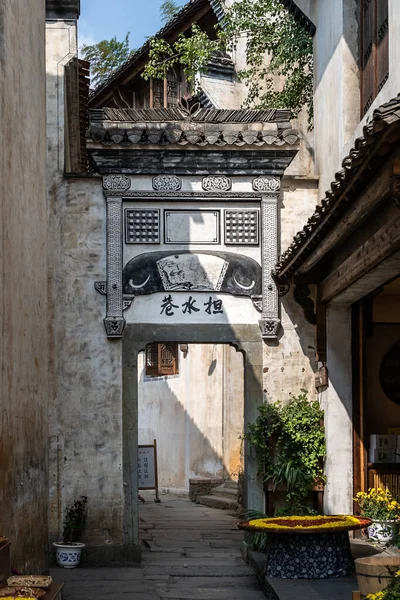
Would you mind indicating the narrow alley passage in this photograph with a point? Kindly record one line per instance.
(190, 552)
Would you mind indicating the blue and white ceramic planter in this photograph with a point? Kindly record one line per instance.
(68, 555)
(382, 531)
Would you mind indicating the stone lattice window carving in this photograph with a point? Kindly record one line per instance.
(374, 49)
(241, 227)
(142, 226)
(161, 359)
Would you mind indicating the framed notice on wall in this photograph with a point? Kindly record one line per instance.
(147, 467)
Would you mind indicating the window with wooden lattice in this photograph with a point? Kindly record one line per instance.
(161, 359)
(374, 49)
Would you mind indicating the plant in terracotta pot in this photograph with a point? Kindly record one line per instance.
(68, 552)
(379, 505)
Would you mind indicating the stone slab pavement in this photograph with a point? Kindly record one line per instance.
(192, 552)
(189, 552)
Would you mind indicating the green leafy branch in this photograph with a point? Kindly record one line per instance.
(289, 441)
(193, 53)
(279, 55)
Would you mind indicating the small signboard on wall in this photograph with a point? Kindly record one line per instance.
(147, 468)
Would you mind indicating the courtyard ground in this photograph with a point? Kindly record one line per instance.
(192, 552)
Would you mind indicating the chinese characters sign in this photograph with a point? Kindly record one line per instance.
(146, 468)
(169, 306)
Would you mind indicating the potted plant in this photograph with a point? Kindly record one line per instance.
(68, 552)
(289, 441)
(378, 504)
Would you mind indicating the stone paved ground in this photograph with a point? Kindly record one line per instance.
(190, 552)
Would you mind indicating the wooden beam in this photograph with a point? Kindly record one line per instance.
(378, 247)
(165, 93)
(320, 330)
(358, 211)
(151, 101)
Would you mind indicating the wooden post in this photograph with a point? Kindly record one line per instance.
(151, 101)
(157, 498)
(356, 595)
(165, 93)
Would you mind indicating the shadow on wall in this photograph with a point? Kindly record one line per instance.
(301, 320)
(197, 417)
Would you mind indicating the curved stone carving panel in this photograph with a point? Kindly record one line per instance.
(216, 183)
(185, 271)
(116, 182)
(266, 183)
(167, 183)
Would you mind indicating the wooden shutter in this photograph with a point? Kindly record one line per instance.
(167, 359)
(374, 50)
(152, 360)
(382, 52)
(367, 54)
(161, 359)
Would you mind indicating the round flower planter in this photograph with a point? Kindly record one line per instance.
(68, 555)
(382, 531)
(308, 547)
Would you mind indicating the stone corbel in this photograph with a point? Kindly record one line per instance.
(114, 321)
(270, 322)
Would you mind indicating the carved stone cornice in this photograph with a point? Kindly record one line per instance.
(249, 196)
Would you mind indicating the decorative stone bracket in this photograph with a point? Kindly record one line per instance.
(114, 322)
(270, 321)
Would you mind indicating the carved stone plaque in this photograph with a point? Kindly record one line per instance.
(191, 226)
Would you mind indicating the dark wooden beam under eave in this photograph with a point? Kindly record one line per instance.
(379, 247)
(63, 9)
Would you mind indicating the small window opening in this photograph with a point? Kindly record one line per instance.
(161, 359)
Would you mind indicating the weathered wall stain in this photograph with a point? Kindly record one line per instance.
(23, 295)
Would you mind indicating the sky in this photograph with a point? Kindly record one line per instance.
(102, 19)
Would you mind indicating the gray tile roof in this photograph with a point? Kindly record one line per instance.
(203, 127)
(332, 207)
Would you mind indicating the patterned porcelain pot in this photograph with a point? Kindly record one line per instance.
(382, 531)
(68, 555)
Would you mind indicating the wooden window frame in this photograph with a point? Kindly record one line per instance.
(161, 359)
(374, 70)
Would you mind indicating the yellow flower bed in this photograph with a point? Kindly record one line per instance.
(305, 522)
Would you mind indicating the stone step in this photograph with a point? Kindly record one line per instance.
(217, 502)
(226, 491)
